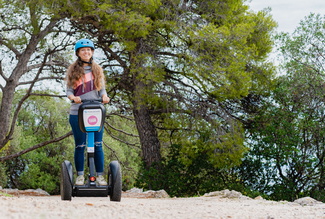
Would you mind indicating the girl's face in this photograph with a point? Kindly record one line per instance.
(85, 53)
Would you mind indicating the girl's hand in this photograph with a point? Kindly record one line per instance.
(106, 99)
(77, 99)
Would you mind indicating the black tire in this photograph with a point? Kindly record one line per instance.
(115, 181)
(66, 181)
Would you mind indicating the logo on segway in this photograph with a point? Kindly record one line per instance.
(92, 120)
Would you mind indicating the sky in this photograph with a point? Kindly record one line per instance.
(288, 13)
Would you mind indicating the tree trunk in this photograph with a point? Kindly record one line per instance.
(150, 144)
(148, 136)
(5, 112)
(9, 92)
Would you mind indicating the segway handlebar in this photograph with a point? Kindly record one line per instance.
(89, 101)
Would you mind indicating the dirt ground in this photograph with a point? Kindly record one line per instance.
(37, 207)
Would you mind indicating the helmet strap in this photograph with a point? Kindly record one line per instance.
(90, 62)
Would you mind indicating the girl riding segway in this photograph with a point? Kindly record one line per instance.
(86, 90)
(85, 80)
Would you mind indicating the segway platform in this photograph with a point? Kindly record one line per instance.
(90, 191)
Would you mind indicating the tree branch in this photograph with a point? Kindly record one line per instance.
(119, 130)
(49, 63)
(2, 159)
(115, 155)
(40, 79)
(47, 95)
(113, 151)
(9, 46)
(120, 140)
(1, 72)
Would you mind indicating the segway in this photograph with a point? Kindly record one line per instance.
(91, 117)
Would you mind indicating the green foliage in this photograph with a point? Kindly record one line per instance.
(181, 63)
(41, 172)
(40, 119)
(123, 148)
(199, 165)
(179, 179)
(287, 138)
(3, 176)
(190, 179)
(223, 151)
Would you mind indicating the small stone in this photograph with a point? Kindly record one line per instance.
(259, 198)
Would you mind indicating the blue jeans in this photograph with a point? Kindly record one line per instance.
(80, 144)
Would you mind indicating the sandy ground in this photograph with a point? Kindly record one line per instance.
(25, 207)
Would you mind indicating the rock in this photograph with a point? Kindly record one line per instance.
(259, 198)
(157, 194)
(307, 201)
(135, 190)
(27, 192)
(226, 194)
(138, 193)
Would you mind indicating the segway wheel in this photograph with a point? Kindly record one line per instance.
(66, 181)
(115, 181)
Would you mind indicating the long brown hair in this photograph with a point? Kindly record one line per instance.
(76, 71)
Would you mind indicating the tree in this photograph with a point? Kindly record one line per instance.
(30, 41)
(35, 44)
(174, 64)
(175, 67)
(287, 138)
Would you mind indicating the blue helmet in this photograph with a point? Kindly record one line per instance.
(83, 43)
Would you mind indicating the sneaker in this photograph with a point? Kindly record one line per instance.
(80, 180)
(101, 181)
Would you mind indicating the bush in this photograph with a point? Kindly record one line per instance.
(197, 178)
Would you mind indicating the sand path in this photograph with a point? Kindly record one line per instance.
(28, 207)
